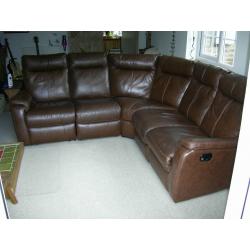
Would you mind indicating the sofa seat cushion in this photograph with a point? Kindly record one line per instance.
(146, 120)
(97, 110)
(130, 105)
(50, 114)
(164, 141)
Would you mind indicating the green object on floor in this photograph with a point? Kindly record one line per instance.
(8, 156)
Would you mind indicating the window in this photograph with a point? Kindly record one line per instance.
(218, 46)
(112, 33)
(210, 43)
(228, 48)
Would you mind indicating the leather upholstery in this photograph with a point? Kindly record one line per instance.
(224, 115)
(46, 77)
(53, 133)
(190, 177)
(172, 79)
(23, 99)
(50, 114)
(164, 141)
(131, 105)
(176, 66)
(131, 75)
(97, 110)
(100, 129)
(234, 86)
(178, 149)
(208, 143)
(147, 120)
(18, 116)
(88, 75)
(177, 111)
(97, 118)
(18, 107)
(127, 129)
(201, 92)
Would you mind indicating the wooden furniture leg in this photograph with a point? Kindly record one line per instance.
(10, 193)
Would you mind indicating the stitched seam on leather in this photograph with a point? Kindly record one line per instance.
(164, 92)
(203, 116)
(184, 92)
(150, 129)
(129, 109)
(207, 148)
(98, 123)
(222, 112)
(233, 90)
(203, 74)
(194, 99)
(159, 151)
(174, 187)
(129, 85)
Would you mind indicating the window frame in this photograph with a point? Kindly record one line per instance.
(217, 60)
(222, 41)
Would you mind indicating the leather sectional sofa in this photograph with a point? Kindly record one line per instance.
(184, 115)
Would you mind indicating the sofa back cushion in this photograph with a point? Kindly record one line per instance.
(46, 77)
(200, 92)
(131, 75)
(88, 75)
(224, 116)
(172, 78)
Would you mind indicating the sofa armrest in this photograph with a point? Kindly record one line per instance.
(23, 98)
(208, 143)
(19, 105)
(201, 166)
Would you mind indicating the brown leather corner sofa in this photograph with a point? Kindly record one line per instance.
(184, 115)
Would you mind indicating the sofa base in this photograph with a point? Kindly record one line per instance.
(96, 130)
(52, 134)
(127, 129)
(163, 175)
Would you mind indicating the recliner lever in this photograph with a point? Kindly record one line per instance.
(206, 157)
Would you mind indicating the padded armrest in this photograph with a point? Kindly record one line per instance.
(209, 143)
(23, 98)
(201, 166)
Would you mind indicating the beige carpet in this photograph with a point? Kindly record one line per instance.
(98, 178)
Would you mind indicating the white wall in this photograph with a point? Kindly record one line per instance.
(23, 43)
(162, 41)
(142, 40)
(242, 52)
